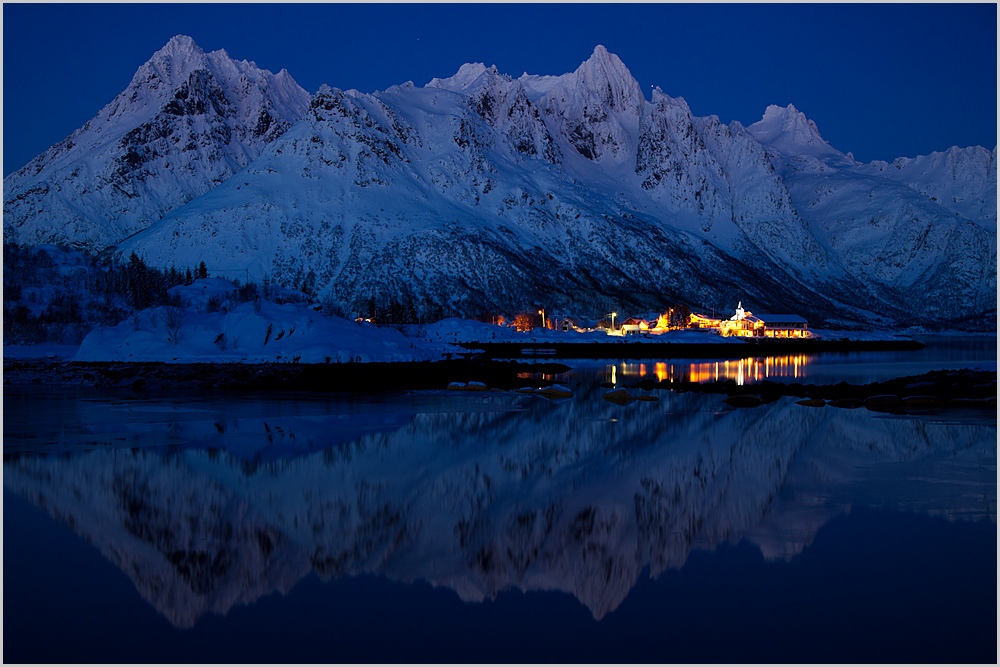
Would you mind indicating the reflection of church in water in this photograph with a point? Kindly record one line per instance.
(742, 371)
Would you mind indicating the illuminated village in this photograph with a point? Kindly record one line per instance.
(741, 323)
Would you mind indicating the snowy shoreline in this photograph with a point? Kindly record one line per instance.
(214, 327)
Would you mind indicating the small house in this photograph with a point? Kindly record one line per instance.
(635, 325)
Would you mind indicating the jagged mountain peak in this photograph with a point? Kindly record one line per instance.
(601, 58)
(465, 79)
(177, 46)
(661, 98)
(325, 90)
(172, 64)
(607, 76)
(789, 131)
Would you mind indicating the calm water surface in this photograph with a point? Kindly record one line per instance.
(447, 526)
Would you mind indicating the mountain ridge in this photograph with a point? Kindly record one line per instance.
(485, 193)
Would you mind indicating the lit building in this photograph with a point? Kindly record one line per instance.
(745, 323)
(784, 326)
(699, 321)
(635, 325)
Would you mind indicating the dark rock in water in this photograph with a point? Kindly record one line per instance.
(608, 385)
(554, 392)
(884, 403)
(138, 384)
(923, 402)
(619, 397)
(849, 403)
(745, 401)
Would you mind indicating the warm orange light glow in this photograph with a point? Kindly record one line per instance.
(661, 372)
(741, 370)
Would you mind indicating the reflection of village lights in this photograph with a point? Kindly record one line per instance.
(741, 371)
(661, 372)
(613, 380)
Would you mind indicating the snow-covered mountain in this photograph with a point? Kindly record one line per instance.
(484, 193)
(962, 180)
(188, 121)
(885, 224)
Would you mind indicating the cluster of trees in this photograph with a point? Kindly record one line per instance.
(60, 295)
(392, 312)
(678, 315)
(144, 286)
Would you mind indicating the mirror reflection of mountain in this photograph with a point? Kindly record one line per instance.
(476, 493)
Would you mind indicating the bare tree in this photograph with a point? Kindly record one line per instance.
(172, 318)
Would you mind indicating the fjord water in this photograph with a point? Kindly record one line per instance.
(450, 526)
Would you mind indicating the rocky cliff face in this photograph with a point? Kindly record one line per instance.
(187, 122)
(480, 192)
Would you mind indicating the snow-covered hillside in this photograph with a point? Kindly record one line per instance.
(214, 327)
(885, 225)
(188, 121)
(962, 180)
(484, 193)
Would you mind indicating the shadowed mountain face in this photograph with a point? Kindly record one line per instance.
(481, 192)
(477, 495)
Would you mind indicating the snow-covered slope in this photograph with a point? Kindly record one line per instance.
(484, 193)
(885, 224)
(256, 331)
(186, 122)
(962, 180)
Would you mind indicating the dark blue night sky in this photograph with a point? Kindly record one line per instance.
(882, 81)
